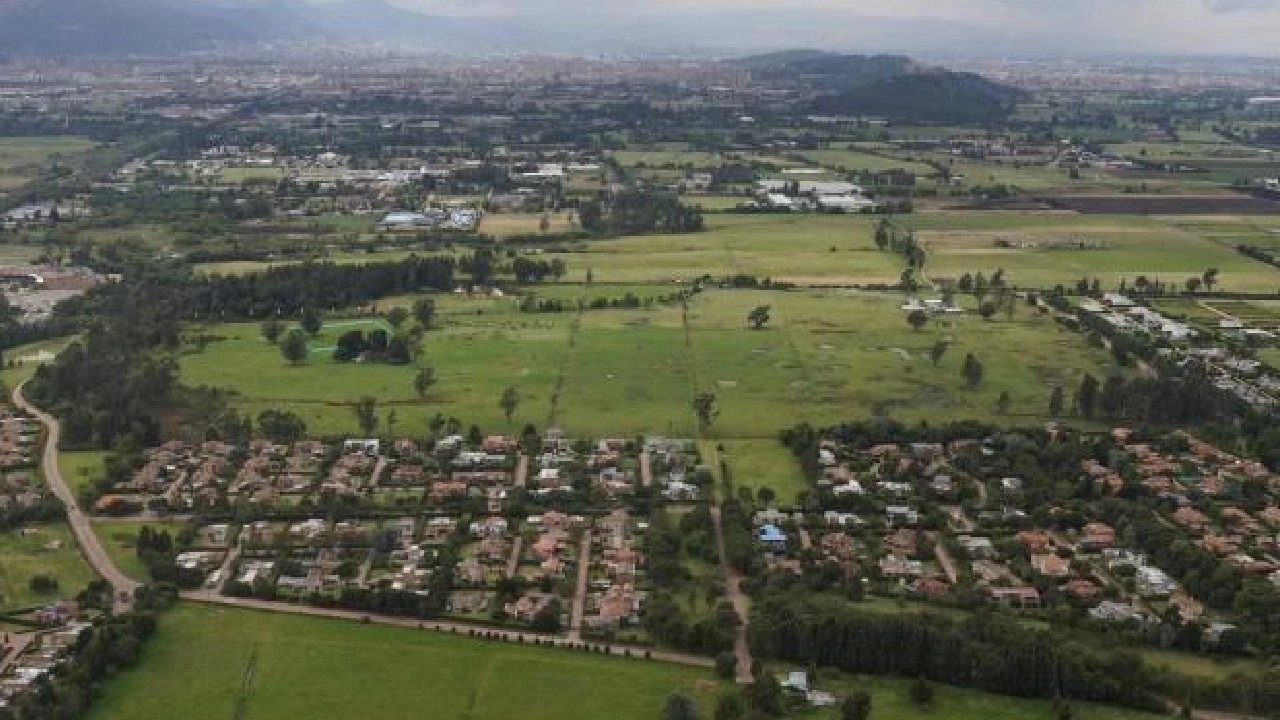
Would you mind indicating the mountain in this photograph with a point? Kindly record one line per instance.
(889, 86)
(112, 27)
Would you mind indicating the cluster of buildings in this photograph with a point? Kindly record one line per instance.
(28, 657)
(820, 195)
(939, 522)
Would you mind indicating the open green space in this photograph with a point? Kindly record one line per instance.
(47, 549)
(21, 156)
(826, 356)
(263, 666)
(20, 362)
(81, 468)
(119, 538)
(765, 464)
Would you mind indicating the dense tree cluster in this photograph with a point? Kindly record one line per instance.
(984, 651)
(639, 213)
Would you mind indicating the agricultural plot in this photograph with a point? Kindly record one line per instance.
(21, 156)
(854, 161)
(1038, 256)
(826, 356)
(214, 663)
(47, 549)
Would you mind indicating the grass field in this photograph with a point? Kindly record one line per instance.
(80, 468)
(26, 358)
(213, 663)
(763, 464)
(827, 356)
(118, 539)
(20, 156)
(43, 549)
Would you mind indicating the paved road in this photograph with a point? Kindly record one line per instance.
(214, 598)
(646, 470)
(88, 540)
(513, 562)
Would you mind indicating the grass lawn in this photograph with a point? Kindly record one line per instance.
(119, 538)
(827, 356)
(26, 358)
(765, 463)
(280, 667)
(80, 468)
(43, 549)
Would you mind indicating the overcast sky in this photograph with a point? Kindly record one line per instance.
(1124, 26)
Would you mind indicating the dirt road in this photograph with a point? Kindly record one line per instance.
(733, 591)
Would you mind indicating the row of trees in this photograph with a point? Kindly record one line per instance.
(639, 213)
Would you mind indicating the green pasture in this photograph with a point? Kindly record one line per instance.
(275, 667)
(40, 549)
(20, 156)
(826, 356)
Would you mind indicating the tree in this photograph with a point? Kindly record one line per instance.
(758, 317)
(396, 316)
(726, 665)
(921, 691)
(1209, 278)
(917, 319)
(311, 322)
(857, 706)
(544, 225)
(882, 233)
(509, 401)
(766, 495)
(1193, 284)
(423, 381)
(272, 330)
(547, 620)
(1057, 401)
(281, 426)
(424, 311)
(704, 408)
(1003, 402)
(366, 411)
(679, 706)
(730, 706)
(765, 694)
(938, 350)
(972, 371)
(294, 346)
(987, 310)
(1087, 396)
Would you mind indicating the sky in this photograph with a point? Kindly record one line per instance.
(1189, 27)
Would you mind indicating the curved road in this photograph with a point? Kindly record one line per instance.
(80, 525)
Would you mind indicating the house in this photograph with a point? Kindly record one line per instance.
(977, 547)
(1050, 565)
(1110, 611)
(1016, 598)
(896, 515)
(772, 536)
(1097, 536)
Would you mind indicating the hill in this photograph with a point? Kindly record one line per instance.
(890, 86)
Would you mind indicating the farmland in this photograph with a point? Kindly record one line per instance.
(21, 156)
(282, 666)
(827, 355)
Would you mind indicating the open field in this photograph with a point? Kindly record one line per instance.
(852, 160)
(19, 154)
(40, 549)
(213, 663)
(26, 358)
(763, 464)
(119, 537)
(505, 224)
(827, 356)
(80, 468)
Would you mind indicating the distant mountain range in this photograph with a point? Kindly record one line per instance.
(113, 27)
